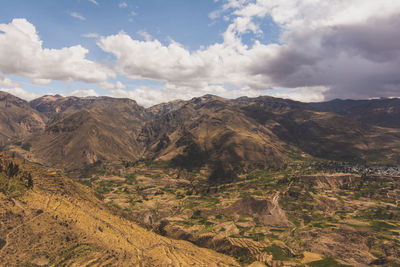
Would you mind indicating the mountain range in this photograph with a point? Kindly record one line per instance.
(263, 181)
(73, 133)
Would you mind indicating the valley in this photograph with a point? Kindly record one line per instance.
(206, 182)
(278, 217)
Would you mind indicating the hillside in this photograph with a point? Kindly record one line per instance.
(380, 112)
(85, 131)
(17, 119)
(324, 134)
(53, 221)
(224, 136)
(210, 130)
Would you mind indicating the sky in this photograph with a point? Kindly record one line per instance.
(155, 51)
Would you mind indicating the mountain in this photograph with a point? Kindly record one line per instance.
(56, 107)
(82, 132)
(380, 112)
(211, 130)
(222, 135)
(17, 119)
(324, 134)
(163, 108)
(48, 219)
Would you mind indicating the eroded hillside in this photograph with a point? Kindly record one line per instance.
(49, 220)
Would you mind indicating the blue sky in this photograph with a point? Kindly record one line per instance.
(156, 50)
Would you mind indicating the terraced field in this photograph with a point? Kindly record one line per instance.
(291, 216)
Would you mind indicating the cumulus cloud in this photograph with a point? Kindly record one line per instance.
(107, 85)
(21, 93)
(303, 94)
(21, 53)
(94, 2)
(77, 16)
(7, 82)
(83, 93)
(148, 96)
(146, 36)
(172, 63)
(345, 47)
(41, 81)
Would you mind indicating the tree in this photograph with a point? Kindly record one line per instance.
(30, 181)
(12, 169)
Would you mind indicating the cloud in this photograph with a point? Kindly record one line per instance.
(107, 85)
(343, 46)
(77, 16)
(220, 63)
(303, 94)
(21, 93)
(91, 35)
(94, 2)
(41, 81)
(146, 36)
(148, 96)
(83, 93)
(21, 53)
(123, 5)
(7, 82)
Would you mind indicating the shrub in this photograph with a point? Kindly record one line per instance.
(26, 146)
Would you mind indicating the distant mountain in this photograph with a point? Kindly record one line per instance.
(209, 131)
(380, 112)
(323, 134)
(82, 132)
(17, 119)
(163, 108)
(57, 107)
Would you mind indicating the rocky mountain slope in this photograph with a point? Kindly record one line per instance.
(324, 134)
(212, 132)
(17, 119)
(380, 112)
(259, 179)
(49, 220)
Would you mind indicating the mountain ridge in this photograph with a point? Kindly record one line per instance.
(203, 132)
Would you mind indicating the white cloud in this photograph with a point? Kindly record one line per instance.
(91, 35)
(146, 36)
(123, 5)
(77, 16)
(21, 53)
(148, 96)
(342, 45)
(7, 82)
(83, 93)
(21, 93)
(303, 94)
(94, 2)
(107, 85)
(41, 81)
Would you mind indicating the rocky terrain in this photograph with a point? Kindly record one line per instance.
(17, 119)
(263, 181)
(72, 133)
(49, 220)
(291, 216)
